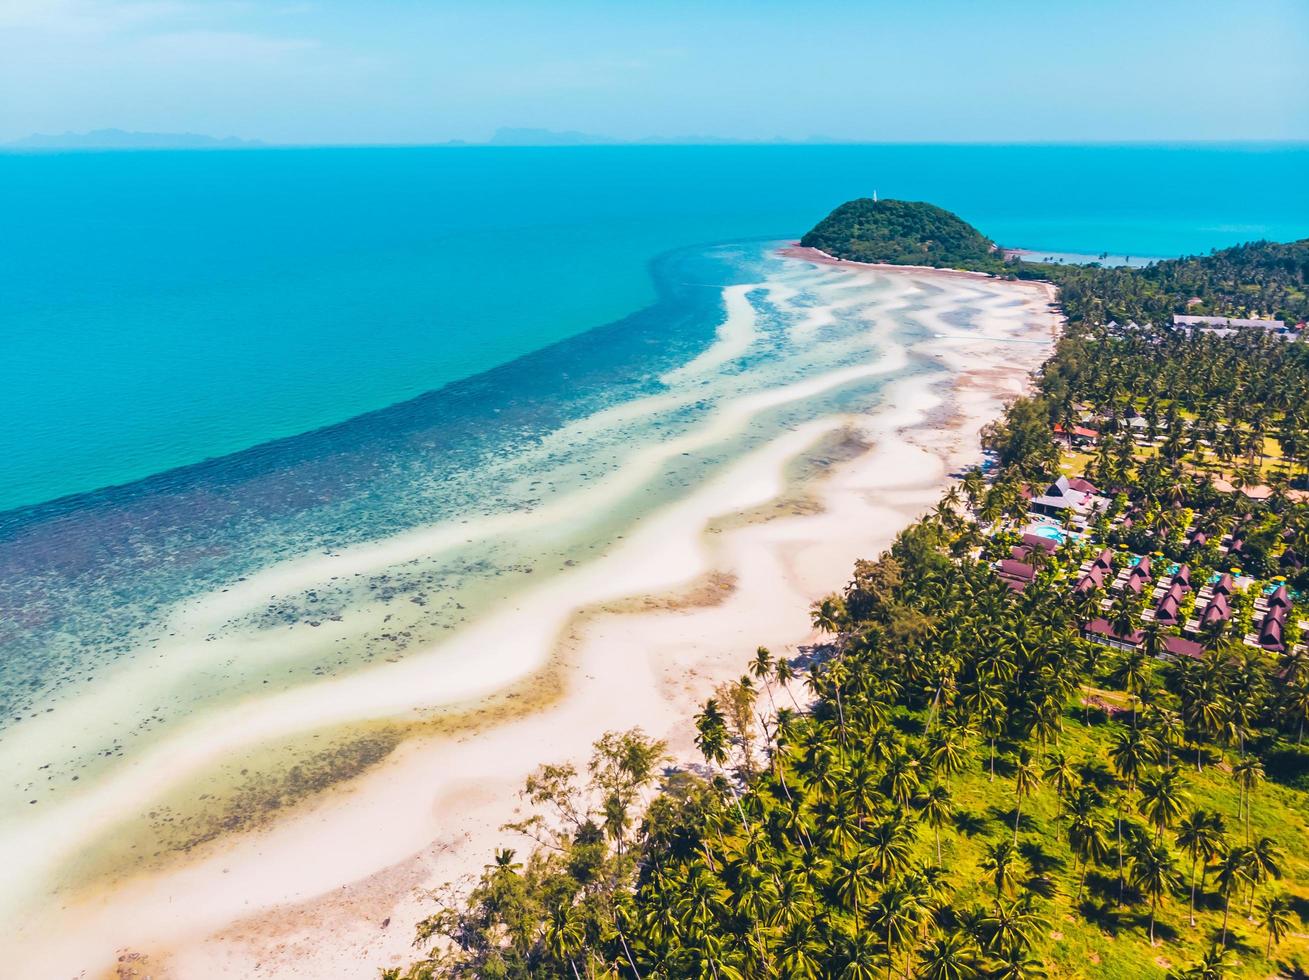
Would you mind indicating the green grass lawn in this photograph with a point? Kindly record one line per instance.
(1114, 942)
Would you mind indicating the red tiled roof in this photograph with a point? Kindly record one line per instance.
(1036, 541)
(1179, 646)
(1016, 569)
(1102, 627)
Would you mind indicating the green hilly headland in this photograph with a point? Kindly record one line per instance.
(903, 233)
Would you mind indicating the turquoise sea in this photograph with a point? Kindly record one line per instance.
(282, 424)
(163, 308)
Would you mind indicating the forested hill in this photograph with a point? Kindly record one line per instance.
(903, 233)
(1258, 278)
(1254, 279)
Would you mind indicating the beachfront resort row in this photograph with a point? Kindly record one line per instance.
(1172, 594)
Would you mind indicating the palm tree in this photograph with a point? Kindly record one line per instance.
(854, 880)
(902, 778)
(563, 936)
(1026, 778)
(1061, 774)
(1214, 965)
(1003, 863)
(896, 915)
(1130, 754)
(1017, 964)
(952, 957)
(799, 952)
(856, 958)
(784, 673)
(935, 808)
(1266, 861)
(761, 667)
(711, 733)
(1154, 872)
(1248, 773)
(946, 750)
(1277, 917)
(1133, 670)
(1201, 835)
(1233, 871)
(1162, 799)
(1011, 925)
(1088, 838)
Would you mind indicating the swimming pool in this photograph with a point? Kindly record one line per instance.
(1049, 531)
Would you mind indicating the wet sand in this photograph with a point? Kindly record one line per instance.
(640, 637)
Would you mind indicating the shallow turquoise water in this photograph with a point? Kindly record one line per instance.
(161, 308)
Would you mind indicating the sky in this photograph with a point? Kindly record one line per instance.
(421, 71)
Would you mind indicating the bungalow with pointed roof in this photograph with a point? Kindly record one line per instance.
(1168, 612)
(1139, 576)
(1217, 611)
(1224, 585)
(1271, 633)
(1281, 599)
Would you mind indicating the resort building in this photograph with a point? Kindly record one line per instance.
(1225, 326)
(1066, 495)
(1103, 632)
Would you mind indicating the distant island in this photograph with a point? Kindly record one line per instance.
(121, 139)
(903, 233)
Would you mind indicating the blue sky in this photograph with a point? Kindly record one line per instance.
(363, 71)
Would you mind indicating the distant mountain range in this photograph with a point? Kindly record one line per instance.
(121, 139)
(514, 136)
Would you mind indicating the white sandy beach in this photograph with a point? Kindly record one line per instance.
(334, 888)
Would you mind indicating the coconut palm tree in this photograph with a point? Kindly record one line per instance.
(1162, 799)
(935, 808)
(1088, 838)
(1265, 864)
(1248, 773)
(1277, 916)
(1214, 965)
(1154, 872)
(1200, 834)
(799, 952)
(761, 668)
(1027, 777)
(1017, 964)
(1233, 872)
(952, 957)
(1062, 775)
(947, 749)
(1131, 753)
(854, 881)
(1003, 864)
(563, 936)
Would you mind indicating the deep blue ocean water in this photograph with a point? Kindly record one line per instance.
(162, 308)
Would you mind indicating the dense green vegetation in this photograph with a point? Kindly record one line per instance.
(1256, 279)
(903, 233)
(959, 785)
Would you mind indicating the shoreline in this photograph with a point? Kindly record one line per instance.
(345, 862)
